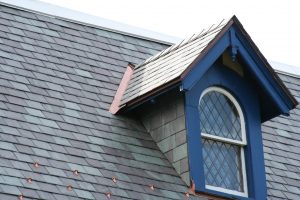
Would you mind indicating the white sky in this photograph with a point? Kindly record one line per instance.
(273, 25)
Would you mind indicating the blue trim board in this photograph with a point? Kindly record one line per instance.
(267, 83)
(206, 62)
(245, 93)
(243, 43)
(236, 43)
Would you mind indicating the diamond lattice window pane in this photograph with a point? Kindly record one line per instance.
(219, 116)
(222, 165)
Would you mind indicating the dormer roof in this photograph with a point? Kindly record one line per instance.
(162, 69)
(172, 66)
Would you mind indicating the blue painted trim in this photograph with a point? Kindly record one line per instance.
(234, 45)
(239, 45)
(205, 63)
(194, 145)
(245, 93)
(242, 41)
(264, 80)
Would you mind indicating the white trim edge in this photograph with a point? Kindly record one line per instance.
(241, 143)
(55, 11)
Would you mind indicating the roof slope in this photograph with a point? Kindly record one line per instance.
(57, 81)
(282, 149)
(169, 64)
(106, 24)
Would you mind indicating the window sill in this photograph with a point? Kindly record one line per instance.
(216, 195)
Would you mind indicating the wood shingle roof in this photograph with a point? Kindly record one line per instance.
(169, 64)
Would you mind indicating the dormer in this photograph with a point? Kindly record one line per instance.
(203, 101)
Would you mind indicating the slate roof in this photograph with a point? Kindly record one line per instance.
(282, 149)
(58, 79)
(169, 64)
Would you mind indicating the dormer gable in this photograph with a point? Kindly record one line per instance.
(182, 64)
(203, 101)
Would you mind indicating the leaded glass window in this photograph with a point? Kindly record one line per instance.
(223, 142)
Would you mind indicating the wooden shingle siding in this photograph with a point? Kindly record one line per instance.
(165, 121)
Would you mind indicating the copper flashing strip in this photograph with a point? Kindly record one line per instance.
(116, 104)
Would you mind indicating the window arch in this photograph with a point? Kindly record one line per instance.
(223, 136)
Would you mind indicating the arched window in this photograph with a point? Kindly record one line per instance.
(223, 136)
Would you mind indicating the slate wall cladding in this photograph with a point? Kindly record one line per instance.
(165, 121)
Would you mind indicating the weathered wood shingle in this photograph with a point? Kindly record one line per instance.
(168, 64)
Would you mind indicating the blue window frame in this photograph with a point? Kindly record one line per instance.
(223, 136)
(244, 93)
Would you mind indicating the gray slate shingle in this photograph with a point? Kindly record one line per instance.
(60, 78)
(57, 82)
(281, 146)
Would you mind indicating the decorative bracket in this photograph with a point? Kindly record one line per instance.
(182, 89)
(233, 44)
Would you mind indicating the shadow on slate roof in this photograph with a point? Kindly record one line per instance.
(57, 82)
(58, 79)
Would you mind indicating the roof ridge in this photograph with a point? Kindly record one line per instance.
(184, 42)
(118, 27)
(289, 74)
